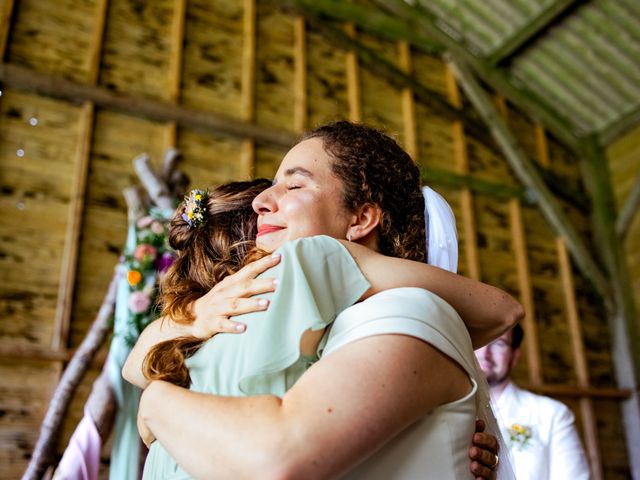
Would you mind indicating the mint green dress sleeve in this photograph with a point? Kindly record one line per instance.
(317, 279)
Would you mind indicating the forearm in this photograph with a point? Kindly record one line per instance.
(157, 331)
(487, 311)
(213, 436)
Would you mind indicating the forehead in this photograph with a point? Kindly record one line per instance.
(309, 155)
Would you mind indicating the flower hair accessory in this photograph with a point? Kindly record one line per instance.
(195, 208)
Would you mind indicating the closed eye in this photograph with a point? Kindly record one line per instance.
(293, 187)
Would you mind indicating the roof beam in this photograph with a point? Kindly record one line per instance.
(22, 78)
(524, 169)
(629, 211)
(527, 32)
(424, 26)
(365, 19)
(621, 126)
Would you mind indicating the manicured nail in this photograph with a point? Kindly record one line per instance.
(263, 302)
(275, 255)
(275, 282)
(240, 327)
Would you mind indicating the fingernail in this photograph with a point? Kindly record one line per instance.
(275, 282)
(240, 327)
(275, 255)
(263, 302)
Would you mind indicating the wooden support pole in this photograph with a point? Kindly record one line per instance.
(518, 235)
(622, 316)
(71, 251)
(300, 112)
(71, 378)
(529, 176)
(466, 197)
(580, 360)
(408, 103)
(176, 49)
(247, 148)
(22, 78)
(6, 14)
(629, 210)
(353, 79)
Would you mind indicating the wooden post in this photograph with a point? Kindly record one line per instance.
(529, 176)
(353, 79)
(247, 148)
(300, 76)
(462, 167)
(622, 317)
(5, 26)
(408, 103)
(629, 211)
(176, 47)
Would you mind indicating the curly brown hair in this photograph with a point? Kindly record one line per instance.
(375, 169)
(206, 254)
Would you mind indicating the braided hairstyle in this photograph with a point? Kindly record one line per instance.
(219, 246)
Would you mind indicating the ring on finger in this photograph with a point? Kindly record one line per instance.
(495, 464)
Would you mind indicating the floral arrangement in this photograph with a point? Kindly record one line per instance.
(145, 267)
(519, 435)
(195, 208)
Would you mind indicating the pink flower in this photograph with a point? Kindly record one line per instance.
(144, 222)
(144, 253)
(157, 228)
(139, 302)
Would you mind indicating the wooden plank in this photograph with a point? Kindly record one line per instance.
(574, 391)
(176, 49)
(408, 104)
(526, 32)
(462, 166)
(353, 80)
(247, 148)
(525, 286)
(300, 112)
(580, 360)
(629, 210)
(97, 42)
(74, 227)
(22, 78)
(529, 176)
(5, 26)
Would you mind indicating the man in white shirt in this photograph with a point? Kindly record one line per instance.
(541, 434)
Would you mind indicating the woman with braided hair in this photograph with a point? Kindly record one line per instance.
(296, 434)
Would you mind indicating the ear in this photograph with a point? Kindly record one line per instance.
(364, 222)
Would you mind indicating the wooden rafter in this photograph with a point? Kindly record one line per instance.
(527, 32)
(423, 24)
(621, 126)
(629, 210)
(528, 175)
(365, 19)
(22, 78)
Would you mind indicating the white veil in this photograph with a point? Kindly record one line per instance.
(442, 245)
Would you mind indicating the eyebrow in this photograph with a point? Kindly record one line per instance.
(296, 170)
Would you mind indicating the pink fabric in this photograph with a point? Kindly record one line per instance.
(81, 459)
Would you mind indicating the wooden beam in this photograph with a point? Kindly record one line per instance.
(529, 176)
(620, 127)
(26, 79)
(97, 41)
(622, 316)
(425, 24)
(353, 79)
(248, 85)
(365, 19)
(629, 210)
(300, 112)
(6, 14)
(574, 391)
(528, 32)
(408, 103)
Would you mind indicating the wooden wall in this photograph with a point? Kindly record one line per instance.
(64, 163)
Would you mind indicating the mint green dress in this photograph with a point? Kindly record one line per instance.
(318, 279)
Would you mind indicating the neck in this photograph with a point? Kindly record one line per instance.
(498, 388)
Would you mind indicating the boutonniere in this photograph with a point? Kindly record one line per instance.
(519, 435)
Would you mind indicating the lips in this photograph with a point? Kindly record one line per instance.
(264, 229)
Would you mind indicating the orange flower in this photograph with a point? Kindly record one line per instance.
(133, 277)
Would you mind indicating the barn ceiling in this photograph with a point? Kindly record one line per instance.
(573, 65)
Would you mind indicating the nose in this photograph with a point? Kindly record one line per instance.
(265, 202)
(484, 353)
